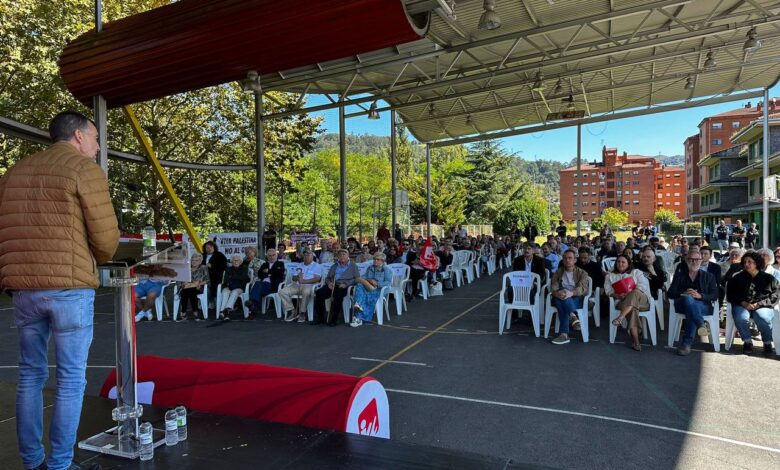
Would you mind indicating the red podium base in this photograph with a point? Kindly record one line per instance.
(320, 400)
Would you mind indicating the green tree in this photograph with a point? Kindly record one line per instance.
(613, 217)
(211, 125)
(666, 216)
(492, 183)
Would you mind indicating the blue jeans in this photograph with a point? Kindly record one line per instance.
(68, 314)
(694, 311)
(564, 308)
(763, 318)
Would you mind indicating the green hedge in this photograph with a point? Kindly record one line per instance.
(694, 229)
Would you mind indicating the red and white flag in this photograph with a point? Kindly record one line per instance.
(428, 258)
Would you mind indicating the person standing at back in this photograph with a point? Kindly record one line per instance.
(57, 224)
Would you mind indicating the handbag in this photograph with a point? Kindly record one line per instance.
(625, 285)
(435, 289)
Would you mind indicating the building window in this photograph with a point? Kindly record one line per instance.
(676, 185)
(636, 192)
(636, 182)
(735, 125)
(668, 194)
(676, 175)
(660, 195)
(585, 183)
(668, 185)
(677, 194)
(717, 141)
(717, 125)
(620, 193)
(677, 203)
(592, 212)
(636, 203)
(660, 186)
(635, 172)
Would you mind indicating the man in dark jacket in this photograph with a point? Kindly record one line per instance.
(591, 267)
(532, 263)
(270, 275)
(693, 292)
(56, 224)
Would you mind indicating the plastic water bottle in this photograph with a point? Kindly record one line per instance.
(171, 428)
(150, 241)
(146, 449)
(181, 421)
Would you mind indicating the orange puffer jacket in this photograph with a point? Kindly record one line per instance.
(56, 221)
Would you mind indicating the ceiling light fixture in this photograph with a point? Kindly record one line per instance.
(468, 120)
(571, 106)
(373, 114)
(710, 63)
(489, 19)
(752, 44)
(538, 82)
(558, 87)
(689, 83)
(431, 109)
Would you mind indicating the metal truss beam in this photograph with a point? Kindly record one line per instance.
(528, 67)
(32, 134)
(600, 118)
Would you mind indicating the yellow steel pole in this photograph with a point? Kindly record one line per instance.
(160, 172)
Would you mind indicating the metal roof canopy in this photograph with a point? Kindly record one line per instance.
(615, 58)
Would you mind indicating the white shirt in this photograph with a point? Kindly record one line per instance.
(309, 271)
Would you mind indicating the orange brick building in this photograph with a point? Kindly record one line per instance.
(636, 184)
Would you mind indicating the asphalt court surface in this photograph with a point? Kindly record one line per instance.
(453, 382)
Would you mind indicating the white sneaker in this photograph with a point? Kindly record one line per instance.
(139, 316)
(149, 315)
(356, 323)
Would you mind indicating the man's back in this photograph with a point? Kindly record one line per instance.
(56, 221)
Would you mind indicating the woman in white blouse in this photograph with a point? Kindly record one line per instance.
(629, 305)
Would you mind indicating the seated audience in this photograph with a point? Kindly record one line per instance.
(631, 303)
(304, 281)
(146, 292)
(693, 292)
(568, 287)
(234, 282)
(342, 274)
(753, 294)
(267, 280)
(189, 291)
(369, 288)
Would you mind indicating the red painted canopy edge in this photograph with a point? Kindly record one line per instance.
(194, 44)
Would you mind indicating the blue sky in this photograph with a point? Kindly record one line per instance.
(662, 133)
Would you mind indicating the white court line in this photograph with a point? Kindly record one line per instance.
(390, 362)
(93, 367)
(589, 415)
(14, 417)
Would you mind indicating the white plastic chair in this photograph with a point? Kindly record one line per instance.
(491, 265)
(244, 308)
(607, 264)
(454, 269)
(582, 313)
(203, 298)
(659, 308)
(467, 264)
(159, 303)
(647, 315)
(398, 287)
(596, 298)
(521, 300)
(676, 320)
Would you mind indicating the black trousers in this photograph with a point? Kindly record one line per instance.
(321, 295)
(189, 298)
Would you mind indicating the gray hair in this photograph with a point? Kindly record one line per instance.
(236, 257)
(766, 252)
(380, 255)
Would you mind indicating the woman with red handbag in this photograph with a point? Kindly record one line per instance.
(632, 292)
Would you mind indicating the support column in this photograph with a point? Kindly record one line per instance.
(765, 220)
(99, 104)
(343, 176)
(393, 170)
(579, 188)
(260, 160)
(428, 183)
